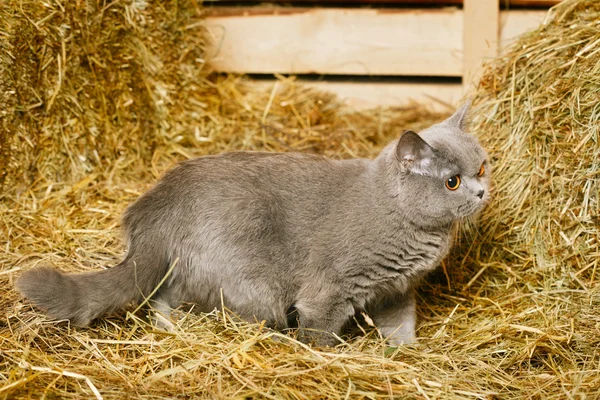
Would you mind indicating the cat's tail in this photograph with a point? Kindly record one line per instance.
(83, 297)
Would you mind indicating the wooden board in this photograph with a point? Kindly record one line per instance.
(362, 95)
(337, 41)
(515, 23)
(346, 41)
(439, 96)
(503, 3)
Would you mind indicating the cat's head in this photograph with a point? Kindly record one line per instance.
(444, 173)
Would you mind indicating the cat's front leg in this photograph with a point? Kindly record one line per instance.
(321, 318)
(396, 319)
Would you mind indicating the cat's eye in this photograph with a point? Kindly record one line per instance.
(481, 171)
(453, 183)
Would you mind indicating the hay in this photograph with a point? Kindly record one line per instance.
(97, 99)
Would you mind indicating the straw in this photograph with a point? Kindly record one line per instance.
(99, 99)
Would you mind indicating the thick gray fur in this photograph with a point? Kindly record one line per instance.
(281, 231)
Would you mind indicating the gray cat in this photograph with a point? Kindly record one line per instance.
(272, 233)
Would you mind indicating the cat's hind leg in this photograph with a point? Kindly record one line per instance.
(396, 319)
(162, 306)
(162, 317)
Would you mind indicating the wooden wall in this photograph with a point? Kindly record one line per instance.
(416, 51)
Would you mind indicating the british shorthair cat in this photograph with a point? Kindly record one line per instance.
(274, 232)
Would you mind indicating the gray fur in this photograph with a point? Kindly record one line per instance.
(275, 231)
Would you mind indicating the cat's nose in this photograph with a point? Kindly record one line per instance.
(481, 193)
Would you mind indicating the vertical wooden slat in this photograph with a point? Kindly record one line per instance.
(481, 35)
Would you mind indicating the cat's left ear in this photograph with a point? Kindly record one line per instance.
(459, 118)
(414, 153)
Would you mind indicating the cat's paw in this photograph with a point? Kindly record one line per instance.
(402, 341)
(162, 322)
(317, 338)
(402, 336)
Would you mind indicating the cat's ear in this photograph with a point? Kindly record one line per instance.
(459, 118)
(413, 152)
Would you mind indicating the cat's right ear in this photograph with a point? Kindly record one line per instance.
(413, 153)
(460, 116)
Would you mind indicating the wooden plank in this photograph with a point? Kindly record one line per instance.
(353, 2)
(503, 3)
(336, 41)
(529, 3)
(515, 23)
(481, 36)
(425, 42)
(439, 96)
(364, 95)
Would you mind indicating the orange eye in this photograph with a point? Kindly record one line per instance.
(453, 183)
(481, 170)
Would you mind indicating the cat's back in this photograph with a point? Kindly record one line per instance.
(261, 171)
(249, 163)
(245, 181)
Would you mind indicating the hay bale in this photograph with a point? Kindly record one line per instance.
(89, 83)
(100, 98)
(540, 110)
(538, 106)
